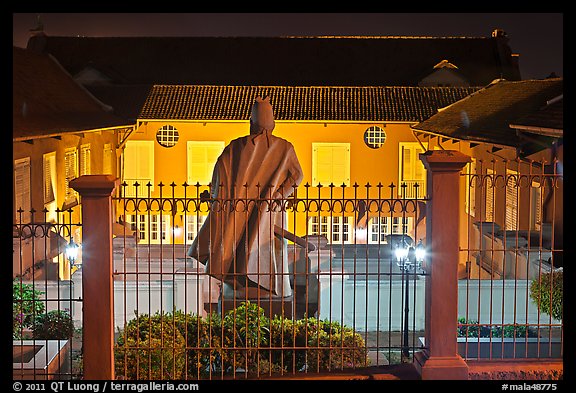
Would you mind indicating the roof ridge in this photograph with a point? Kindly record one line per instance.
(300, 103)
(177, 85)
(279, 37)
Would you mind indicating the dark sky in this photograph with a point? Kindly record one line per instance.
(537, 37)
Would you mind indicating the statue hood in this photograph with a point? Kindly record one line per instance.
(261, 116)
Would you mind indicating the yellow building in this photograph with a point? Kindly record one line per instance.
(60, 131)
(513, 188)
(359, 137)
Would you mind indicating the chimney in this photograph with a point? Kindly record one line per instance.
(499, 33)
(37, 40)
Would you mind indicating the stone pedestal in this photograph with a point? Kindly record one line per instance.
(272, 306)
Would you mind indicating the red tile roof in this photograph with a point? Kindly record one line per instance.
(318, 103)
(486, 115)
(547, 120)
(47, 101)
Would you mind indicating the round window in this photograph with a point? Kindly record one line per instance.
(167, 136)
(374, 137)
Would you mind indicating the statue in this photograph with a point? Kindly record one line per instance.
(239, 241)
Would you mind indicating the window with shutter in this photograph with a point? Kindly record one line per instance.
(331, 164)
(411, 170)
(107, 158)
(201, 158)
(49, 177)
(511, 223)
(22, 190)
(536, 210)
(470, 171)
(489, 195)
(85, 159)
(138, 167)
(70, 171)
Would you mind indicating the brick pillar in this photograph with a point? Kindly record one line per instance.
(97, 280)
(441, 359)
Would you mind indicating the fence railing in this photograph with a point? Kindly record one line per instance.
(46, 301)
(331, 291)
(344, 298)
(511, 294)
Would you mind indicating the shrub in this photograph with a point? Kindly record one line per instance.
(54, 325)
(471, 328)
(151, 348)
(244, 340)
(547, 293)
(26, 304)
(318, 345)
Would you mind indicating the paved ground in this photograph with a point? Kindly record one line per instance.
(384, 347)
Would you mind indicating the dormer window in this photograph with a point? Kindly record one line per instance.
(444, 74)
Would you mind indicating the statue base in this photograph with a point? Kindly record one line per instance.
(282, 306)
(272, 305)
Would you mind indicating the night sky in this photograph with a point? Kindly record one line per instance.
(537, 37)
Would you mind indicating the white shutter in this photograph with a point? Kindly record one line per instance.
(201, 158)
(107, 159)
(470, 188)
(331, 164)
(411, 170)
(536, 211)
(407, 167)
(511, 223)
(22, 189)
(489, 191)
(139, 166)
(49, 177)
(419, 170)
(85, 168)
(70, 170)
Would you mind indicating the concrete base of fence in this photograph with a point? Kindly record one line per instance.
(40, 359)
(405, 371)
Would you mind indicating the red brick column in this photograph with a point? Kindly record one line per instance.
(441, 359)
(97, 280)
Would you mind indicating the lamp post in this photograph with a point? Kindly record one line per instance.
(72, 252)
(409, 260)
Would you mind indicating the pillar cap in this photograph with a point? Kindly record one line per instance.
(444, 160)
(95, 185)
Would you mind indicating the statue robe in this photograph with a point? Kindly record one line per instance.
(237, 241)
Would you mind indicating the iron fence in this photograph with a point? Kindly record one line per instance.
(46, 296)
(511, 292)
(314, 282)
(327, 279)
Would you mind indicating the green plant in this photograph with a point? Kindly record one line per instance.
(26, 305)
(244, 340)
(547, 293)
(246, 326)
(318, 345)
(151, 348)
(471, 328)
(54, 325)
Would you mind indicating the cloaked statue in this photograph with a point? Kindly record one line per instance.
(239, 242)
